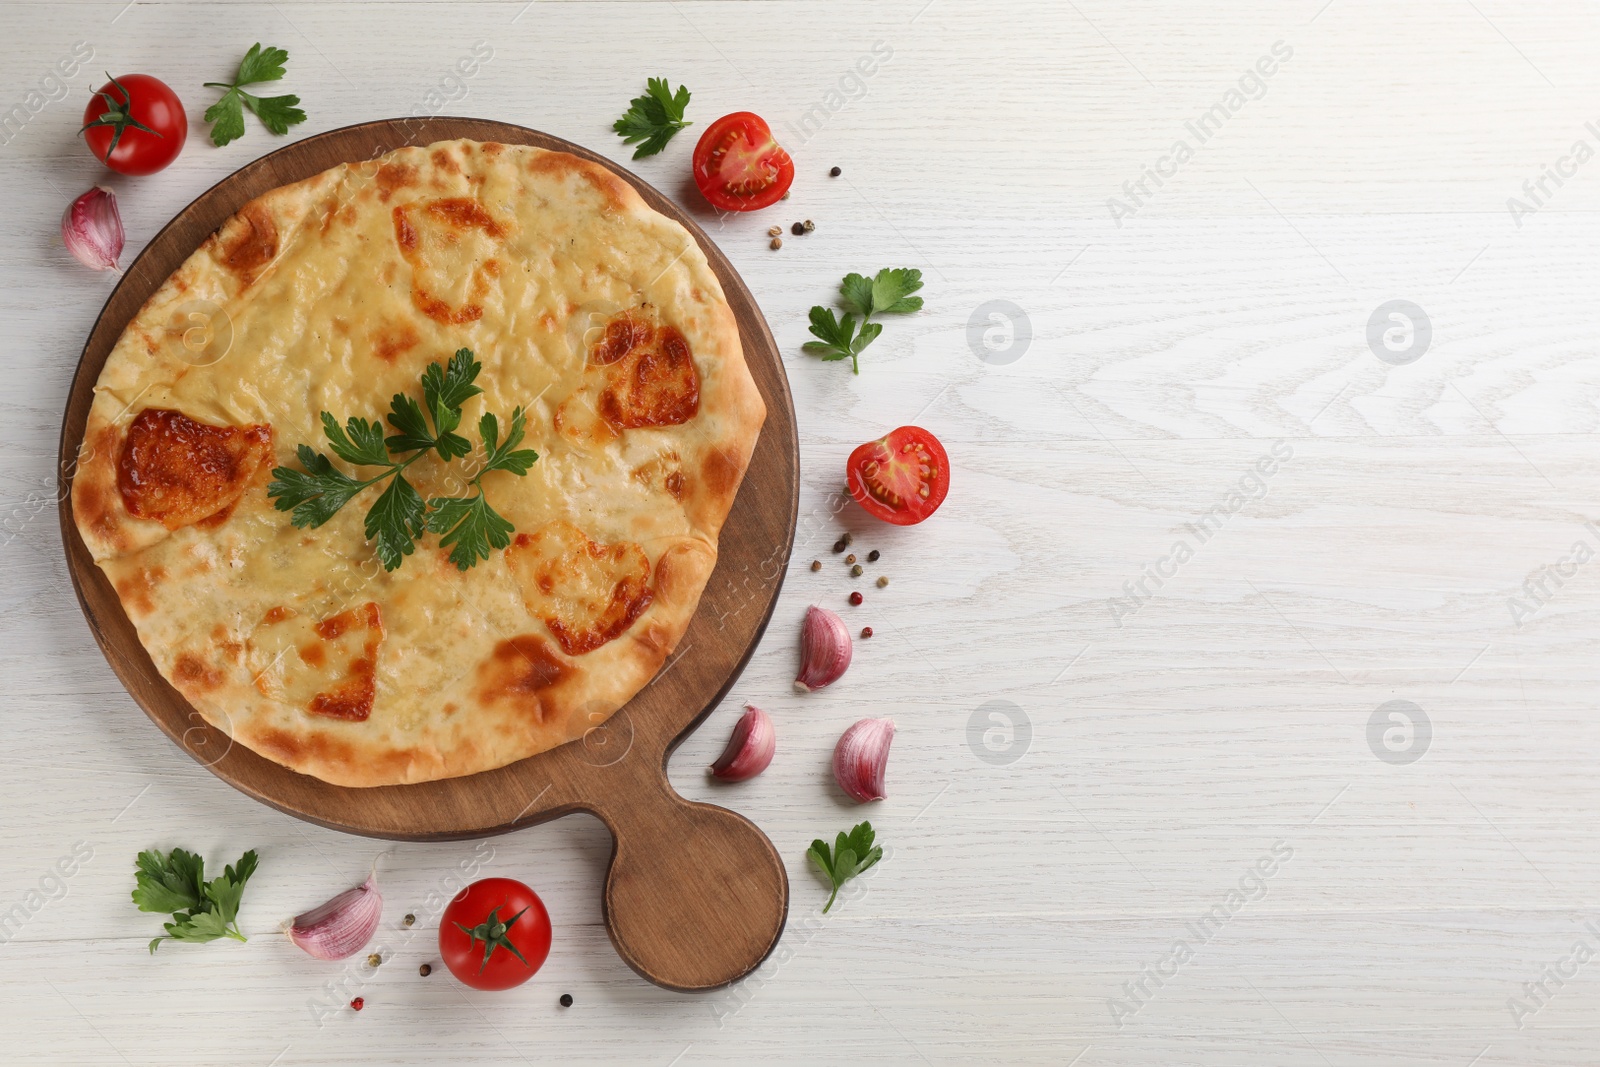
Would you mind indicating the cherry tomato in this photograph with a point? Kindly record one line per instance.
(901, 477)
(135, 124)
(738, 166)
(495, 934)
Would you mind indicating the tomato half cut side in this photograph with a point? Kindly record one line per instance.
(739, 166)
(902, 477)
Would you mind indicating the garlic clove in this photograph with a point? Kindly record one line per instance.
(861, 756)
(825, 649)
(92, 229)
(750, 747)
(342, 927)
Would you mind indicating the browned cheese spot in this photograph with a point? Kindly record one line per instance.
(179, 472)
(651, 379)
(248, 248)
(136, 589)
(430, 235)
(518, 672)
(587, 593)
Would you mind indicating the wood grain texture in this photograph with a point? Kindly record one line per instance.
(696, 897)
(1166, 753)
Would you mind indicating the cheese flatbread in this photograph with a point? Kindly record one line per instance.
(595, 313)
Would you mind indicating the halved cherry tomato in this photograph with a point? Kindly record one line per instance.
(135, 124)
(901, 477)
(495, 934)
(738, 165)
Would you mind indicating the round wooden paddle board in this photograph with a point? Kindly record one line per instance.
(696, 895)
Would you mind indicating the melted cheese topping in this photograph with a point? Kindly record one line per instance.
(336, 293)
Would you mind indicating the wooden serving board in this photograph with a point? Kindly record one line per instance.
(696, 896)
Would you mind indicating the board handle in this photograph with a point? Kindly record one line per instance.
(696, 896)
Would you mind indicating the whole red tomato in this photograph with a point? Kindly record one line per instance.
(135, 124)
(495, 934)
(902, 477)
(739, 166)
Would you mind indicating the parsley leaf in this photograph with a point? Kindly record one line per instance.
(839, 339)
(653, 118)
(175, 883)
(500, 456)
(852, 853)
(400, 516)
(889, 291)
(360, 442)
(470, 525)
(277, 113)
(395, 522)
(314, 494)
(892, 289)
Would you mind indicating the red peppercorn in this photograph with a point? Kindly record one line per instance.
(856, 598)
(359, 1003)
(866, 631)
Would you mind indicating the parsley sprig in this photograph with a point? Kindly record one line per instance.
(888, 292)
(653, 118)
(175, 883)
(277, 113)
(852, 853)
(467, 525)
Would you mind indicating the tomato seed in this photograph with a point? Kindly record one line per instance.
(856, 598)
(358, 1003)
(816, 564)
(775, 231)
(866, 631)
(566, 1000)
(835, 172)
(425, 970)
(872, 557)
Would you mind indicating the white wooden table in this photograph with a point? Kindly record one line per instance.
(1164, 742)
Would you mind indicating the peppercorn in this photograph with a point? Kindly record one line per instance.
(882, 581)
(835, 172)
(785, 195)
(777, 243)
(425, 970)
(872, 557)
(798, 228)
(775, 231)
(374, 959)
(851, 558)
(808, 227)
(842, 544)
(855, 572)
(816, 564)
(866, 631)
(856, 597)
(358, 1003)
(411, 920)
(566, 1000)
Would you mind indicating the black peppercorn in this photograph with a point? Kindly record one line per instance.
(835, 172)
(566, 1000)
(798, 228)
(872, 557)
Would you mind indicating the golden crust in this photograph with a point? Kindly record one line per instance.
(332, 294)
